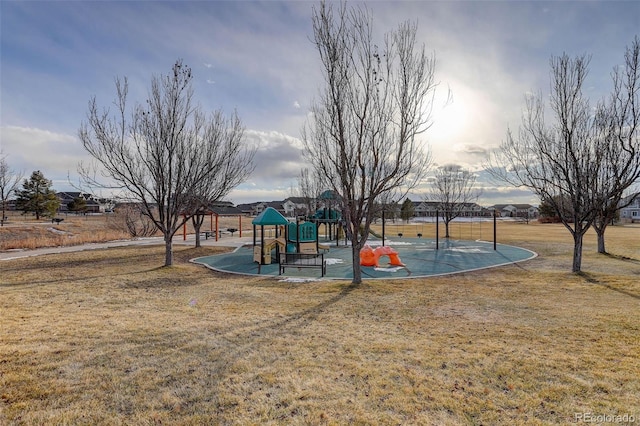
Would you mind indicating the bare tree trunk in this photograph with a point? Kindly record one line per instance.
(601, 246)
(577, 252)
(357, 272)
(446, 229)
(197, 221)
(600, 226)
(168, 252)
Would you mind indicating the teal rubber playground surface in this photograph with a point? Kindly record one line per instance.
(420, 257)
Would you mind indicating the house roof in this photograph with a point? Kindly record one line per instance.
(270, 216)
(517, 206)
(69, 195)
(246, 207)
(226, 210)
(297, 200)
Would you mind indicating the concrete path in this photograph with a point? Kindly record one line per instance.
(227, 241)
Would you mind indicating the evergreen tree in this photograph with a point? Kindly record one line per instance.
(37, 196)
(407, 210)
(78, 205)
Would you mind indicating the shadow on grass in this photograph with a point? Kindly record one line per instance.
(621, 258)
(93, 258)
(159, 282)
(253, 338)
(592, 280)
(83, 267)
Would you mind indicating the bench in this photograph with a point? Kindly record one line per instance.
(303, 260)
(211, 234)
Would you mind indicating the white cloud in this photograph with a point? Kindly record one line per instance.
(29, 149)
(278, 158)
(258, 58)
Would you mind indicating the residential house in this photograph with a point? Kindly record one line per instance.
(261, 206)
(295, 206)
(431, 208)
(630, 213)
(516, 210)
(92, 205)
(247, 209)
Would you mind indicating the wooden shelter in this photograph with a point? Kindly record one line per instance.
(214, 211)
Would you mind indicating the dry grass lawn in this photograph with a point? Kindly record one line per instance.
(24, 232)
(109, 337)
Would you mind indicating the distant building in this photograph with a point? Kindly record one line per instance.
(295, 206)
(262, 205)
(290, 207)
(92, 205)
(431, 209)
(247, 209)
(516, 210)
(630, 213)
(11, 205)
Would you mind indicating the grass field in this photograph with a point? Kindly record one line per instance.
(109, 337)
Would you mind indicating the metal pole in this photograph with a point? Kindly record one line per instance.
(383, 227)
(437, 230)
(494, 229)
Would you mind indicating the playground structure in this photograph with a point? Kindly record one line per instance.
(371, 257)
(302, 238)
(419, 256)
(290, 237)
(297, 248)
(331, 219)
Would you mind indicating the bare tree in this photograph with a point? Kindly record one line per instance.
(165, 151)
(619, 124)
(453, 190)
(129, 218)
(235, 165)
(362, 135)
(559, 161)
(309, 188)
(9, 181)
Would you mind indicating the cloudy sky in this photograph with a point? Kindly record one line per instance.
(257, 58)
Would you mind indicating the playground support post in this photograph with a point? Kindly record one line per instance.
(383, 227)
(437, 230)
(494, 229)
